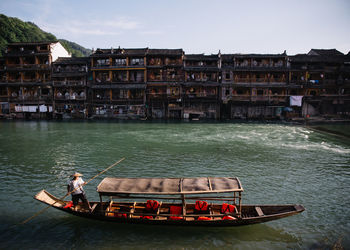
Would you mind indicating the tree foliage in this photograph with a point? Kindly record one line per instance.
(15, 30)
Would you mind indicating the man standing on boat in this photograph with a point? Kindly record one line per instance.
(75, 186)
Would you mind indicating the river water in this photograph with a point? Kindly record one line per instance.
(276, 164)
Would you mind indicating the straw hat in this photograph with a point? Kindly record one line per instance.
(76, 174)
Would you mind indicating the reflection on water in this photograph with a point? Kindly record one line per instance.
(276, 164)
(76, 231)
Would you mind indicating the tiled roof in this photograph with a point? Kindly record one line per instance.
(72, 60)
(259, 55)
(31, 43)
(201, 57)
(316, 58)
(121, 51)
(172, 52)
(325, 52)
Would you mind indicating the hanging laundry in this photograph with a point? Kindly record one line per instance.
(296, 100)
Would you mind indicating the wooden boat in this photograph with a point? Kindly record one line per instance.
(173, 201)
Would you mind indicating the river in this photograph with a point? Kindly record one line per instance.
(276, 164)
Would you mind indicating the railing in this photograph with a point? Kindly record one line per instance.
(259, 80)
(119, 65)
(101, 99)
(318, 82)
(328, 81)
(19, 80)
(20, 52)
(155, 64)
(173, 62)
(78, 98)
(30, 80)
(156, 96)
(268, 98)
(4, 98)
(201, 95)
(243, 80)
(116, 81)
(28, 66)
(135, 65)
(174, 96)
(69, 70)
(176, 78)
(137, 80)
(155, 78)
(69, 83)
(102, 81)
(126, 99)
(31, 98)
(263, 67)
(240, 98)
(260, 98)
(101, 65)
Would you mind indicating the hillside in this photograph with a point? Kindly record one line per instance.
(15, 30)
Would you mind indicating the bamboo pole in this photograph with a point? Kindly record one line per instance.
(43, 210)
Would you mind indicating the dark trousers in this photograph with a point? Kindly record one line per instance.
(76, 197)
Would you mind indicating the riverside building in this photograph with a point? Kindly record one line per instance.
(41, 81)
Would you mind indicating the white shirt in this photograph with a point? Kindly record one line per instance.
(76, 184)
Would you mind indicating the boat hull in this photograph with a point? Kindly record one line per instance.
(251, 214)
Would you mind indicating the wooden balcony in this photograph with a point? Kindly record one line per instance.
(101, 99)
(260, 80)
(257, 98)
(241, 98)
(27, 67)
(157, 96)
(260, 68)
(176, 78)
(70, 98)
(201, 96)
(31, 99)
(4, 98)
(125, 100)
(69, 83)
(155, 78)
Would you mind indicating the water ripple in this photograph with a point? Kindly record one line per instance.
(276, 164)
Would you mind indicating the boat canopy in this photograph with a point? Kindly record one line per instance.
(114, 186)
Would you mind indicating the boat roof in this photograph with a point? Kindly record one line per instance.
(197, 185)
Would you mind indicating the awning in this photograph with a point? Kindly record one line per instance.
(114, 186)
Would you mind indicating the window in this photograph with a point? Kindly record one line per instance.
(120, 61)
(43, 47)
(136, 61)
(119, 76)
(313, 93)
(103, 62)
(239, 91)
(45, 91)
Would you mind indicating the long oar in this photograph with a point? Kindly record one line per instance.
(43, 210)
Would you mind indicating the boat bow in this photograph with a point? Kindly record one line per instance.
(49, 199)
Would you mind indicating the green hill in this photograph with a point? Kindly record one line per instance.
(15, 30)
